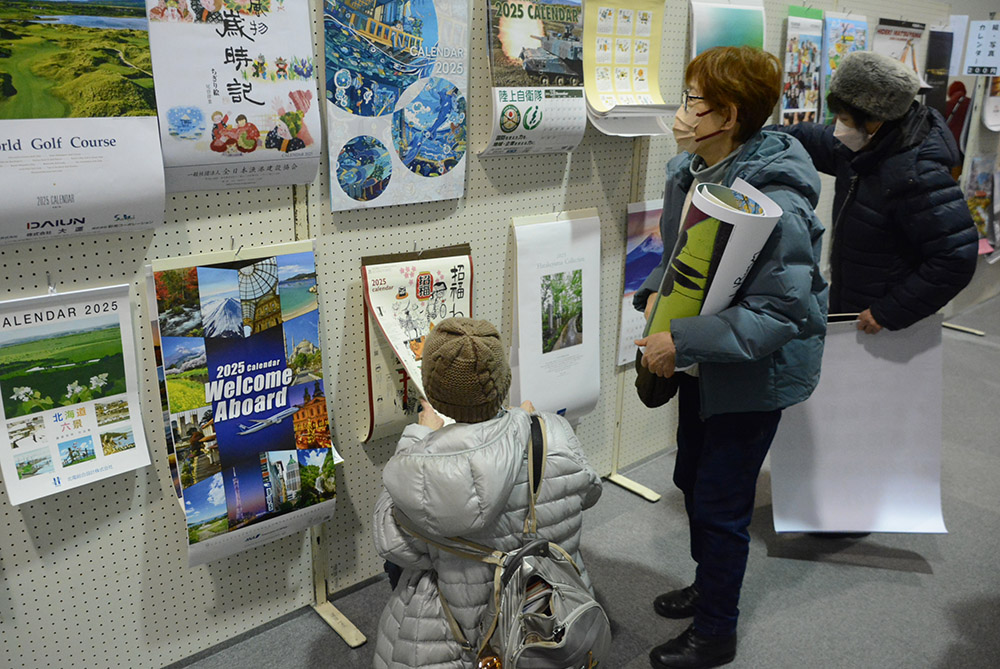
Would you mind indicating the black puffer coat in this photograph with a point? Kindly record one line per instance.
(903, 240)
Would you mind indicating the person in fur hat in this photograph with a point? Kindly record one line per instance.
(468, 479)
(903, 240)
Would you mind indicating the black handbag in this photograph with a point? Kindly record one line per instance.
(653, 390)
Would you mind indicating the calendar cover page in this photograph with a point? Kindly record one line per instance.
(406, 296)
(70, 398)
(397, 87)
(536, 63)
(79, 146)
(240, 353)
(237, 91)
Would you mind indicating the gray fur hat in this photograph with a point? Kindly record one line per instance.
(881, 86)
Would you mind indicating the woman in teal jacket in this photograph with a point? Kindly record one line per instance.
(754, 358)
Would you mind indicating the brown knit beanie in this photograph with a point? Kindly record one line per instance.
(464, 369)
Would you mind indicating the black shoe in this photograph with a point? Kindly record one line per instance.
(692, 650)
(677, 603)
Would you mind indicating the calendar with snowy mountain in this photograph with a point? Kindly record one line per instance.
(240, 359)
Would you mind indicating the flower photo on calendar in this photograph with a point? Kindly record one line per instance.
(70, 403)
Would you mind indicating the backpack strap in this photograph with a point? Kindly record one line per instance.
(537, 455)
(554, 547)
(462, 548)
(456, 629)
(484, 646)
(470, 551)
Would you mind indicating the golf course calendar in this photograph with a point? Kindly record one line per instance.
(77, 119)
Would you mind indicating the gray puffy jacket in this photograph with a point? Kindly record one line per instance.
(468, 480)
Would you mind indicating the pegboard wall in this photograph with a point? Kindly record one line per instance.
(597, 174)
(984, 143)
(98, 576)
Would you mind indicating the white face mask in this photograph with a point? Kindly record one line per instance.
(686, 129)
(853, 138)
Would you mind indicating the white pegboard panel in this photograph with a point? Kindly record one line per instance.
(595, 175)
(645, 431)
(98, 576)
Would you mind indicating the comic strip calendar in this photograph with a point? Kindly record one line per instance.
(621, 54)
(397, 85)
(406, 296)
(237, 92)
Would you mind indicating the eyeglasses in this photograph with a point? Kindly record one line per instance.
(685, 96)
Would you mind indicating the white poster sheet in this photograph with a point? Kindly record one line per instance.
(803, 55)
(237, 93)
(900, 41)
(536, 68)
(556, 352)
(957, 24)
(70, 401)
(241, 361)
(643, 251)
(982, 53)
(397, 91)
(863, 453)
(79, 147)
(406, 296)
(621, 66)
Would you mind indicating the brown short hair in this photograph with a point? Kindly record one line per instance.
(743, 76)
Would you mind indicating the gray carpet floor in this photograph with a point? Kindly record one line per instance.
(885, 600)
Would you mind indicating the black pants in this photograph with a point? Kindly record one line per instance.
(718, 461)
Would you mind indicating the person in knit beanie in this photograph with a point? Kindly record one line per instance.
(465, 371)
(468, 479)
(879, 86)
(903, 242)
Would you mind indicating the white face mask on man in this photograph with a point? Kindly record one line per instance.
(853, 138)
